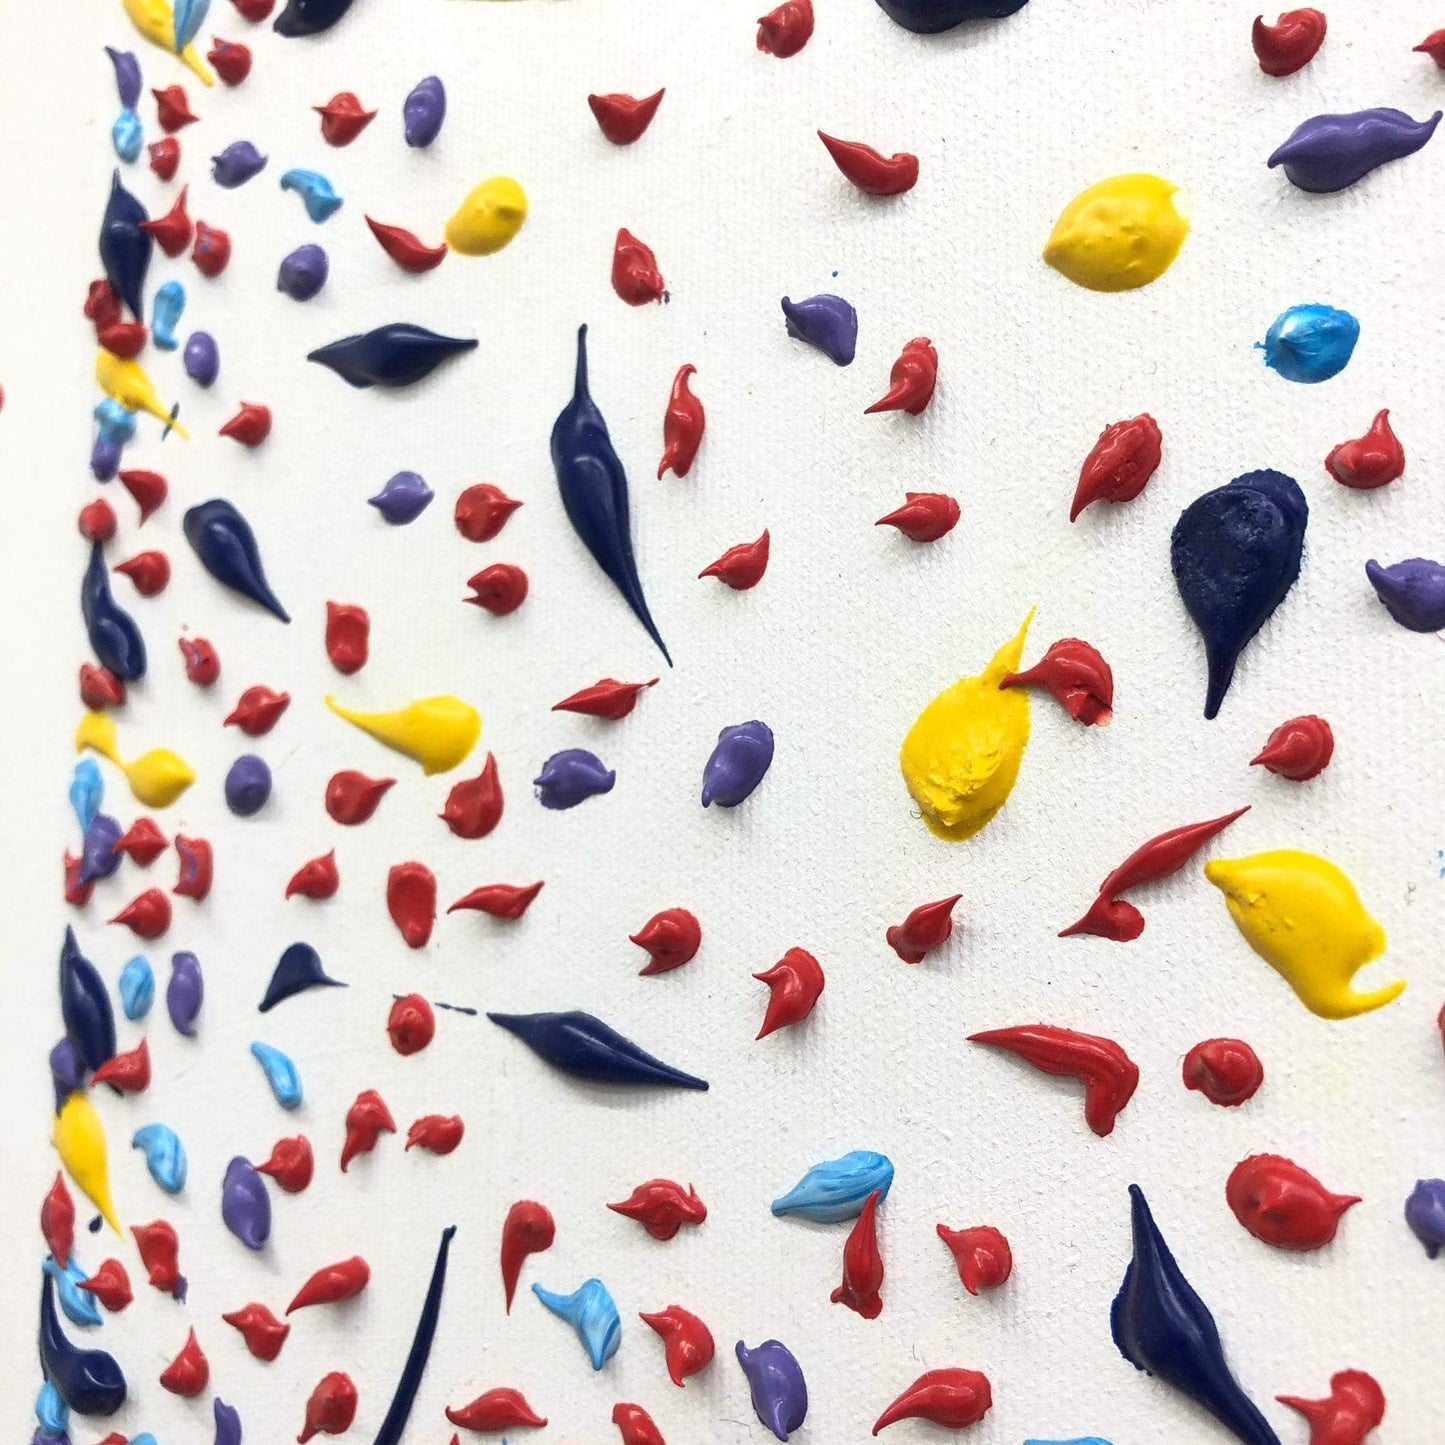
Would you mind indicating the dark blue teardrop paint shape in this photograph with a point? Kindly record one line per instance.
(223, 540)
(585, 1047)
(929, 17)
(114, 637)
(125, 250)
(89, 1381)
(85, 1005)
(298, 969)
(394, 355)
(309, 17)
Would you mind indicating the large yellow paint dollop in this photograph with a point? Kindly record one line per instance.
(438, 732)
(125, 381)
(157, 778)
(1120, 233)
(80, 1142)
(490, 216)
(156, 21)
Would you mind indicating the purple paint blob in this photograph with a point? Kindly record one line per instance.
(127, 76)
(571, 777)
(826, 322)
(67, 1070)
(228, 1422)
(423, 112)
(104, 458)
(403, 498)
(1330, 152)
(185, 993)
(202, 358)
(236, 165)
(98, 858)
(739, 762)
(780, 1394)
(1425, 1214)
(303, 273)
(248, 785)
(245, 1205)
(1413, 592)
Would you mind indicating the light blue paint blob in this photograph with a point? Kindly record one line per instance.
(280, 1073)
(592, 1313)
(189, 16)
(137, 987)
(127, 135)
(316, 192)
(52, 1412)
(1080, 1440)
(146, 1438)
(113, 421)
(1310, 343)
(166, 309)
(78, 1304)
(165, 1155)
(837, 1189)
(87, 792)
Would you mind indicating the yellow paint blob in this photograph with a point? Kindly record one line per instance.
(1121, 233)
(1301, 914)
(157, 23)
(437, 732)
(490, 216)
(80, 1140)
(127, 382)
(156, 778)
(961, 757)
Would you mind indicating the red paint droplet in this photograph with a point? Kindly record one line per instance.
(623, 118)
(291, 1163)
(662, 1207)
(474, 806)
(258, 710)
(528, 1229)
(411, 1025)
(1355, 1405)
(263, 1332)
(250, 426)
(254, 10)
(741, 567)
(501, 900)
(687, 1342)
(231, 59)
(1283, 1205)
(76, 892)
(982, 1255)
(875, 174)
(190, 1372)
(1433, 45)
(910, 389)
(794, 981)
(1121, 463)
(1370, 461)
(1075, 674)
(499, 1409)
(1290, 43)
(671, 938)
(346, 1279)
(482, 511)
(366, 1120)
(173, 108)
(317, 878)
(635, 277)
(352, 797)
(786, 30)
(100, 688)
(407, 249)
(203, 663)
(924, 516)
(97, 521)
(212, 250)
(129, 1072)
(102, 305)
(57, 1220)
(1298, 749)
(148, 488)
(110, 1284)
(150, 571)
(197, 867)
(411, 899)
(635, 1425)
(147, 915)
(331, 1406)
(437, 1133)
(125, 339)
(927, 927)
(862, 1264)
(160, 1249)
(348, 636)
(953, 1398)
(1225, 1071)
(500, 589)
(173, 231)
(683, 424)
(608, 699)
(165, 156)
(143, 842)
(343, 118)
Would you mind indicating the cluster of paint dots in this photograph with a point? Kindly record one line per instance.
(1254, 525)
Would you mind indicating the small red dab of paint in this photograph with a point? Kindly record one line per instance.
(411, 899)
(910, 388)
(635, 1425)
(150, 571)
(250, 426)
(662, 1207)
(129, 1072)
(500, 589)
(96, 521)
(482, 511)
(165, 156)
(1075, 674)
(190, 1372)
(1108, 1074)
(794, 981)
(1290, 43)
(1354, 1407)
(57, 1220)
(981, 1253)
(786, 30)
(197, 867)
(1299, 748)
(258, 710)
(502, 900)
(1370, 461)
(1120, 464)
(366, 1120)
(1433, 45)
(291, 1163)
(877, 175)
(147, 915)
(623, 118)
(344, 1280)
(635, 277)
(437, 1133)
(682, 425)
(231, 59)
(102, 305)
(148, 488)
(407, 249)
(954, 1398)
(502, 1408)
(411, 1024)
(160, 1250)
(474, 806)
(348, 636)
(352, 797)
(100, 688)
(1225, 1071)
(671, 938)
(687, 1342)
(1281, 1204)
(203, 662)
(343, 118)
(143, 842)
(528, 1229)
(741, 567)
(173, 231)
(608, 699)
(316, 878)
(331, 1406)
(263, 1332)
(254, 10)
(77, 893)
(927, 927)
(862, 1264)
(110, 1284)
(173, 108)
(212, 250)
(125, 339)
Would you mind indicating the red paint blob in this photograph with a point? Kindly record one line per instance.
(623, 118)
(482, 511)
(407, 249)
(786, 30)
(682, 424)
(411, 899)
(343, 118)
(1433, 45)
(150, 571)
(954, 1398)
(494, 1410)
(254, 10)
(1108, 1074)
(795, 981)
(147, 915)
(250, 426)
(331, 1406)
(173, 231)
(410, 1025)
(1290, 43)
(608, 699)
(348, 636)
(741, 567)
(910, 389)
(1075, 674)
(1370, 461)
(129, 1072)
(366, 1120)
(291, 1163)
(438, 1133)
(173, 108)
(982, 1255)
(878, 175)
(57, 1220)
(671, 938)
(197, 867)
(687, 1342)
(317, 878)
(862, 1264)
(203, 662)
(212, 250)
(231, 59)
(1281, 1204)
(927, 927)
(333, 1283)
(263, 1332)
(100, 688)
(125, 339)
(474, 806)
(502, 900)
(1298, 749)
(76, 892)
(110, 1284)
(352, 797)
(96, 521)
(662, 1207)
(148, 488)
(190, 1372)
(635, 1425)
(102, 305)
(143, 842)
(1354, 1406)
(635, 277)
(528, 1229)
(165, 156)
(1121, 463)
(1225, 1071)
(160, 1249)
(258, 710)
(500, 589)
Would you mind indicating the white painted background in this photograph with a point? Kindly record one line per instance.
(851, 632)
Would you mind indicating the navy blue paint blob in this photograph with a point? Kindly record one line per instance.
(298, 969)
(309, 17)
(593, 485)
(585, 1047)
(223, 540)
(397, 354)
(928, 17)
(114, 637)
(125, 250)
(89, 1381)
(1163, 1328)
(826, 322)
(399, 1412)
(1235, 553)
(85, 1005)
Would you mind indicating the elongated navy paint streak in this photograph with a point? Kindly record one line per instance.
(223, 540)
(114, 637)
(85, 1005)
(426, 1327)
(125, 250)
(397, 354)
(89, 1381)
(585, 1047)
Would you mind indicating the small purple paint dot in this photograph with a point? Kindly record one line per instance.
(248, 785)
